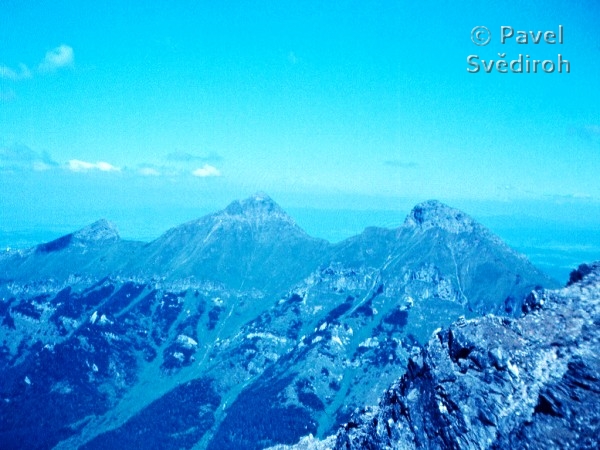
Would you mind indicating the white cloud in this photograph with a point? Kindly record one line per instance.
(149, 172)
(76, 165)
(61, 56)
(41, 166)
(207, 171)
(12, 74)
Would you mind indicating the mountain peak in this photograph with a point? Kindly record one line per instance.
(435, 214)
(101, 230)
(257, 208)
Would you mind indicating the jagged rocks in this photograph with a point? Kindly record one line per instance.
(493, 382)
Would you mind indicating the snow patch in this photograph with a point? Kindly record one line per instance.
(111, 336)
(369, 343)
(104, 320)
(269, 336)
(513, 368)
(186, 341)
(337, 340)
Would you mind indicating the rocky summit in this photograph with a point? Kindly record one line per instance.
(434, 214)
(239, 330)
(496, 382)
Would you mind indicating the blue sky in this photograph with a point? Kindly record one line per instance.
(167, 111)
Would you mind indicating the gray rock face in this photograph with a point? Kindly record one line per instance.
(492, 382)
(434, 214)
(258, 209)
(100, 231)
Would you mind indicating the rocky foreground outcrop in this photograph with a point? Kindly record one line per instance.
(491, 382)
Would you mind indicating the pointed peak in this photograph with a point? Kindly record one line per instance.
(435, 214)
(101, 230)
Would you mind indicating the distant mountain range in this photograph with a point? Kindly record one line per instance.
(236, 330)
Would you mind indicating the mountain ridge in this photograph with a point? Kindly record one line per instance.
(257, 219)
(244, 312)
